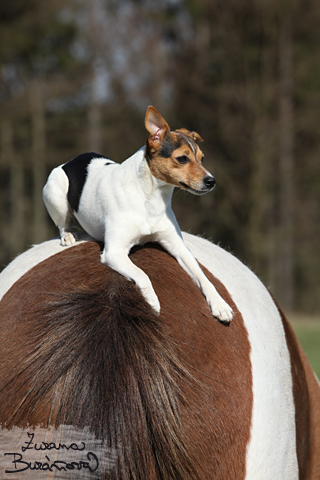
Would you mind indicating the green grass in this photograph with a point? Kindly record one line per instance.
(308, 332)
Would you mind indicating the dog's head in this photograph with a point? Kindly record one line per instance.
(175, 157)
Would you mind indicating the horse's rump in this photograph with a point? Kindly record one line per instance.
(173, 396)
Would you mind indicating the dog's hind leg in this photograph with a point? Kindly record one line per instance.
(55, 198)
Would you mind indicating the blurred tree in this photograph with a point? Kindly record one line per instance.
(236, 81)
(77, 75)
(32, 52)
(286, 164)
(38, 151)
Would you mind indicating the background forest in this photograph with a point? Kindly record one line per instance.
(77, 76)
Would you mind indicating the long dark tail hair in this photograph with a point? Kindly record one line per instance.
(99, 357)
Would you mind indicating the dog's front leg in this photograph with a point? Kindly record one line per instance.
(119, 261)
(219, 308)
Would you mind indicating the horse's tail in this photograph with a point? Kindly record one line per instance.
(98, 357)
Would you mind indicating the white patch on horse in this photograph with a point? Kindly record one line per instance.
(271, 452)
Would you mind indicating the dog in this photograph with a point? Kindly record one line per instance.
(130, 203)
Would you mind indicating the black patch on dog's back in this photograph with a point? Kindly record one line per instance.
(76, 171)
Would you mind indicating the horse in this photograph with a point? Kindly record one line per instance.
(172, 396)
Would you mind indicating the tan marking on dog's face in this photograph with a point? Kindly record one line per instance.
(178, 162)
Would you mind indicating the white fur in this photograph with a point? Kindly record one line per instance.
(271, 452)
(29, 259)
(125, 205)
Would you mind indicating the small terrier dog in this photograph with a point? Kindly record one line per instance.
(130, 203)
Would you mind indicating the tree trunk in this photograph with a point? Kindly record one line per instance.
(95, 39)
(94, 120)
(286, 166)
(14, 235)
(257, 191)
(39, 219)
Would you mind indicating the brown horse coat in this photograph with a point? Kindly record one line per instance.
(175, 396)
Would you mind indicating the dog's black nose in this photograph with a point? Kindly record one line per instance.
(209, 182)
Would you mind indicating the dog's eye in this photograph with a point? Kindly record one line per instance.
(183, 159)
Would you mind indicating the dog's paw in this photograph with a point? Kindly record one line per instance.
(156, 307)
(221, 310)
(152, 299)
(154, 302)
(67, 239)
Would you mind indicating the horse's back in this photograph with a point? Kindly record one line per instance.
(81, 348)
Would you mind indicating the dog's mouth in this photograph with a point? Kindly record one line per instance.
(193, 190)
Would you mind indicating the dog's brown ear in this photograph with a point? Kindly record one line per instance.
(156, 126)
(194, 135)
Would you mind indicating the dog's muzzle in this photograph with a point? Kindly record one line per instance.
(207, 184)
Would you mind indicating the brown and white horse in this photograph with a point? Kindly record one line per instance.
(175, 396)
